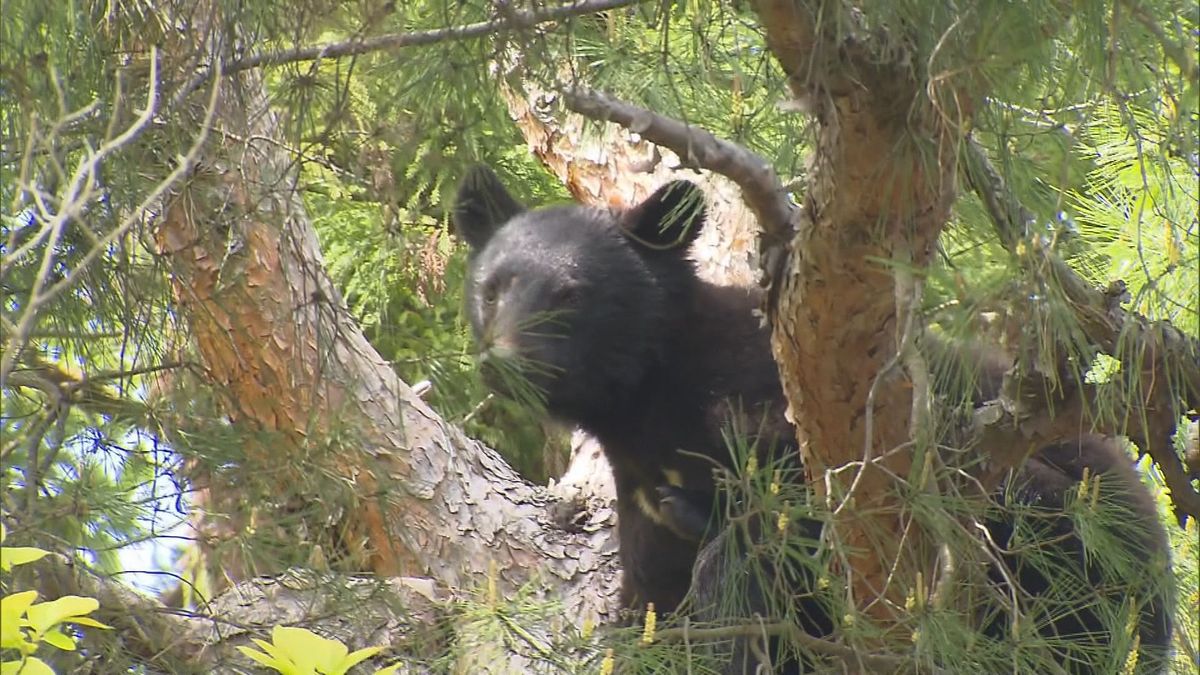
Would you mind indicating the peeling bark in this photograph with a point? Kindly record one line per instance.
(839, 322)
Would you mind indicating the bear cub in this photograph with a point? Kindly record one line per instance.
(600, 315)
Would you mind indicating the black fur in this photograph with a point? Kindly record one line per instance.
(603, 314)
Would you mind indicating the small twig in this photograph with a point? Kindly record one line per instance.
(38, 299)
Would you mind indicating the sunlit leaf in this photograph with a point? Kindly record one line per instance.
(46, 615)
(11, 556)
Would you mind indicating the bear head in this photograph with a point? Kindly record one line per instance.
(571, 307)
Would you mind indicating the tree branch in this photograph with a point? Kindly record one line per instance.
(1170, 373)
(505, 20)
(1182, 55)
(761, 188)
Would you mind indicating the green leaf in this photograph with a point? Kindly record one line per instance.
(11, 556)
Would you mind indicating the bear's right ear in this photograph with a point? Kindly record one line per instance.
(482, 205)
(670, 219)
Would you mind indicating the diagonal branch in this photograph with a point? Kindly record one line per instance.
(761, 187)
(1184, 55)
(1171, 356)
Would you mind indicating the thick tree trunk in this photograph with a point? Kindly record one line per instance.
(843, 304)
(275, 338)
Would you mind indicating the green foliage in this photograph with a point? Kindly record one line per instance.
(1091, 117)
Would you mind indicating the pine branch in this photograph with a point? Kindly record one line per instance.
(505, 20)
(876, 663)
(145, 627)
(761, 187)
(1170, 355)
(1182, 55)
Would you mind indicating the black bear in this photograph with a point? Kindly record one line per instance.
(602, 316)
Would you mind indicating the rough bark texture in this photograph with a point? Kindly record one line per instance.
(839, 320)
(274, 336)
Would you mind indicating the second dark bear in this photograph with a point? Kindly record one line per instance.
(602, 316)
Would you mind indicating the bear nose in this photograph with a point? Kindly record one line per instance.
(499, 347)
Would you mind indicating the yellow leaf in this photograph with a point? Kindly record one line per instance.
(16, 603)
(46, 615)
(59, 639)
(309, 651)
(274, 652)
(11, 635)
(12, 608)
(88, 621)
(267, 660)
(353, 659)
(388, 670)
(11, 556)
(31, 666)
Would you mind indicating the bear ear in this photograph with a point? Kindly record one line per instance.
(482, 205)
(669, 219)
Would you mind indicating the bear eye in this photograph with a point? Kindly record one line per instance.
(490, 294)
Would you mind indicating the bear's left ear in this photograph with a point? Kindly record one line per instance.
(482, 206)
(669, 219)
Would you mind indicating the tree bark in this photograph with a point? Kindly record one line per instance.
(275, 338)
(841, 320)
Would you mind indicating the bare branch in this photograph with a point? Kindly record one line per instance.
(761, 188)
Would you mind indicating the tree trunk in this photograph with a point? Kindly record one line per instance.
(275, 338)
(841, 323)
